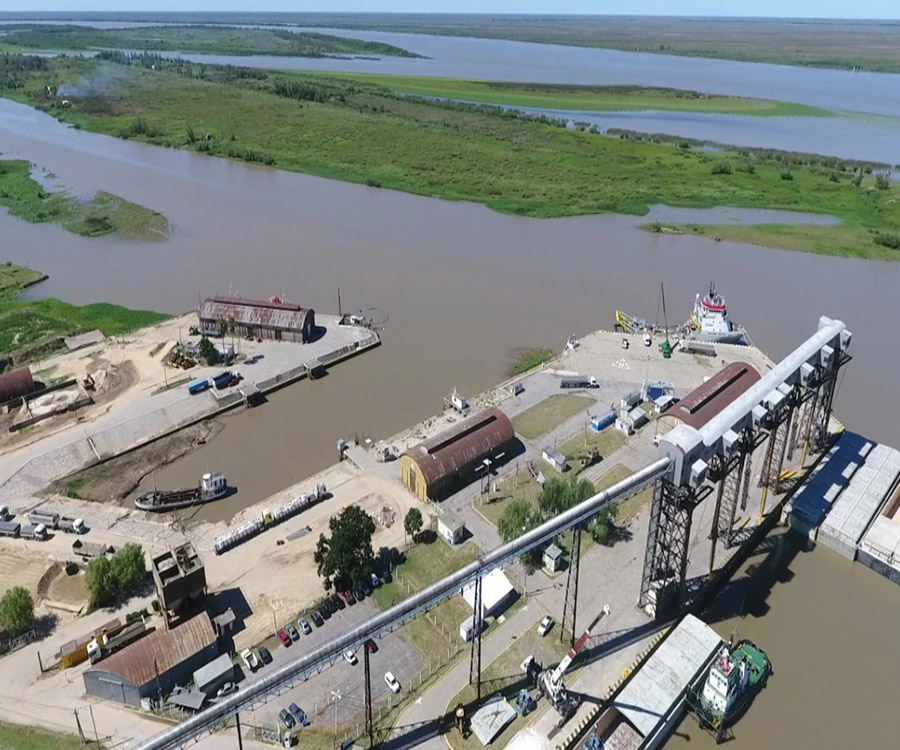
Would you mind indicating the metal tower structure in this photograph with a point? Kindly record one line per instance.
(370, 725)
(718, 457)
(570, 606)
(475, 656)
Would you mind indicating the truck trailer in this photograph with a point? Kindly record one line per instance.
(10, 528)
(89, 550)
(579, 381)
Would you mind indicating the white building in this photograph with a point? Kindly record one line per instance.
(496, 594)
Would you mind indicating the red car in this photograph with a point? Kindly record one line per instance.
(284, 637)
(348, 597)
(372, 646)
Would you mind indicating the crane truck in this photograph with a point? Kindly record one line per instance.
(550, 681)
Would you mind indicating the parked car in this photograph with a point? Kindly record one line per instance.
(250, 660)
(286, 719)
(323, 611)
(317, 619)
(299, 714)
(372, 646)
(545, 626)
(337, 601)
(391, 682)
(375, 582)
(304, 626)
(329, 605)
(283, 637)
(292, 632)
(264, 656)
(227, 689)
(348, 597)
(359, 594)
(349, 656)
(386, 576)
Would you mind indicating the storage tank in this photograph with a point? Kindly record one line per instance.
(15, 384)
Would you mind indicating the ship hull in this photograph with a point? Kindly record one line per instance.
(162, 501)
(738, 336)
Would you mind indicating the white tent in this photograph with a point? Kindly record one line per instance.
(496, 592)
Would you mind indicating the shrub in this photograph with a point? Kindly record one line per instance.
(722, 167)
(883, 180)
(786, 174)
(16, 610)
(885, 239)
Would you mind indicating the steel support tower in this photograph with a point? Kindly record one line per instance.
(666, 557)
(475, 657)
(570, 606)
(370, 725)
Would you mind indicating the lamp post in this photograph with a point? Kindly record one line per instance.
(335, 697)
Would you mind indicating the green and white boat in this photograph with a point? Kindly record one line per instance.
(739, 671)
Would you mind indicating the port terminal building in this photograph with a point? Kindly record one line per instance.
(150, 668)
(258, 319)
(453, 459)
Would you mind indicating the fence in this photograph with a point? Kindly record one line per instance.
(9, 645)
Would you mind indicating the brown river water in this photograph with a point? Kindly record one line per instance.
(463, 287)
(829, 627)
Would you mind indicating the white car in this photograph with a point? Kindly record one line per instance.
(249, 659)
(349, 656)
(545, 626)
(391, 682)
(647, 340)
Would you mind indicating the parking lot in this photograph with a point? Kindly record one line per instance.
(314, 695)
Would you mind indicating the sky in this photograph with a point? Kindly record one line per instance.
(889, 9)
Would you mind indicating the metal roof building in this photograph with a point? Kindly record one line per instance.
(152, 666)
(711, 397)
(449, 461)
(15, 383)
(267, 319)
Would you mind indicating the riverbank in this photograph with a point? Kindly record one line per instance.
(583, 98)
(202, 39)
(103, 214)
(34, 329)
(341, 129)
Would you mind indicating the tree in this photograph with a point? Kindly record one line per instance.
(601, 525)
(110, 578)
(518, 518)
(16, 610)
(412, 524)
(345, 558)
(558, 495)
(208, 352)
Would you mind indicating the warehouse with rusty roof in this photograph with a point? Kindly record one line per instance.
(709, 398)
(453, 459)
(152, 666)
(258, 319)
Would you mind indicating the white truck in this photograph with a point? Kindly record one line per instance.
(250, 660)
(52, 520)
(579, 381)
(34, 531)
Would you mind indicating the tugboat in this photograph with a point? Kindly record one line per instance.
(710, 321)
(211, 487)
(738, 673)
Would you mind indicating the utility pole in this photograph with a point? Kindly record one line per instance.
(335, 697)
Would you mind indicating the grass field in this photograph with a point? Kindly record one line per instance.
(201, 39)
(104, 214)
(584, 98)
(36, 327)
(15, 737)
(350, 131)
(549, 414)
(15, 278)
(843, 43)
(629, 508)
(528, 359)
(605, 442)
(426, 563)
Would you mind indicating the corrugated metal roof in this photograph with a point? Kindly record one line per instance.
(15, 383)
(158, 652)
(664, 676)
(708, 399)
(250, 312)
(461, 444)
(221, 665)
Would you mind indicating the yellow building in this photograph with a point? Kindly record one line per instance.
(453, 459)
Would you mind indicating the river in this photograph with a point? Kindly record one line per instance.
(463, 286)
(828, 626)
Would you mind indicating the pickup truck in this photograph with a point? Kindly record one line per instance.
(250, 660)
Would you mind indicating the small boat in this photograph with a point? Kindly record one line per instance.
(211, 487)
(739, 672)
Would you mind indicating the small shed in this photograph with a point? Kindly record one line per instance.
(552, 559)
(496, 593)
(467, 628)
(451, 528)
(663, 402)
(210, 677)
(556, 459)
(638, 417)
(631, 400)
(600, 422)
